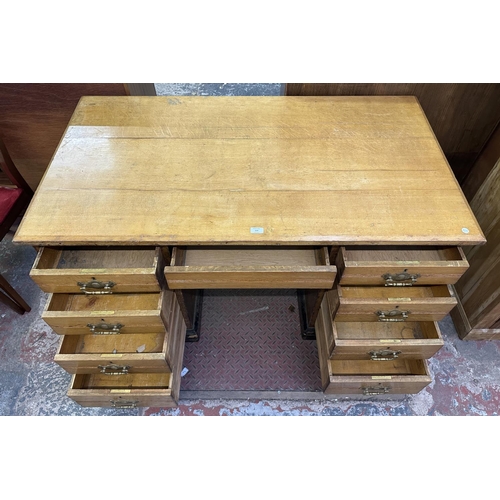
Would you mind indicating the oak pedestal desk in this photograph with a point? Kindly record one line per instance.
(149, 200)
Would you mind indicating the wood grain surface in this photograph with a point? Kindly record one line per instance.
(210, 170)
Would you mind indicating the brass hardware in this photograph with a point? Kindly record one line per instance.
(105, 328)
(384, 355)
(374, 391)
(114, 369)
(400, 279)
(123, 404)
(392, 316)
(104, 287)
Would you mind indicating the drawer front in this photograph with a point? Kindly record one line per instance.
(370, 378)
(221, 268)
(384, 304)
(114, 355)
(401, 266)
(73, 314)
(97, 272)
(125, 392)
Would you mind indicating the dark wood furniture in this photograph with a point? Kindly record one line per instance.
(33, 118)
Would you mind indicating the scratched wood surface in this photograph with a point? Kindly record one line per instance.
(208, 170)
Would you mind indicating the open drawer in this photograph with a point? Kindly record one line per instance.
(250, 267)
(114, 354)
(390, 304)
(379, 341)
(77, 314)
(400, 265)
(102, 270)
(130, 390)
(401, 376)
(125, 353)
(126, 391)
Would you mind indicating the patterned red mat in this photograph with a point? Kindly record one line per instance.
(250, 340)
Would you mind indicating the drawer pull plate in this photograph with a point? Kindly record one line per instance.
(105, 328)
(96, 287)
(384, 355)
(374, 391)
(392, 316)
(123, 404)
(113, 369)
(400, 279)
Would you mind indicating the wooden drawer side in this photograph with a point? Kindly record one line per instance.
(323, 349)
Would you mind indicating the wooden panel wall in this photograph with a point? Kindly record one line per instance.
(478, 291)
(463, 116)
(33, 117)
(483, 166)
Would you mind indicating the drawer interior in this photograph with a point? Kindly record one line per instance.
(387, 368)
(250, 256)
(376, 331)
(394, 293)
(129, 381)
(402, 254)
(120, 302)
(100, 258)
(112, 344)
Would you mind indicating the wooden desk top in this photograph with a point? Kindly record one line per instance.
(208, 170)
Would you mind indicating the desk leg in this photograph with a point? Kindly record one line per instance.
(309, 306)
(190, 302)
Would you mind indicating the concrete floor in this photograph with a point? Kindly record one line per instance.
(466, 375)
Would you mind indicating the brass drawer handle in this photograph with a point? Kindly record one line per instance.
(393, 316)
(384, 355)
(123, 404)
(103, 287)
(113, 369)
(105, 328)
(374, 391)
(400, 279)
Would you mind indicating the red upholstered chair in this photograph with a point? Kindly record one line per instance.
(15, 195)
